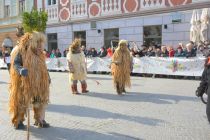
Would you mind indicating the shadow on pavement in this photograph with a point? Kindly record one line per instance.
(144, 97)
(99, 78)
(82, 111)
(2, 82)
(60, 133)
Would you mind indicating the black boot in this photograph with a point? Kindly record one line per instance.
(20, 126)
(119, 91)
(124, 90)
(42, 124)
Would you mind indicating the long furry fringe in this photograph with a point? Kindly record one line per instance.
(121, 72)
(24, 90)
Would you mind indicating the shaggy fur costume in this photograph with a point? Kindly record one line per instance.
(121, 66)
(77, 67)
(34, 88)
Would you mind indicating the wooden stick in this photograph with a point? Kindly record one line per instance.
(28, 124)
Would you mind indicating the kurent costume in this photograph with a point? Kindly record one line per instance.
(77, 67)
(121, 67)
(29, 80)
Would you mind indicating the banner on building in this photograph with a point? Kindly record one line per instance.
(148, 65)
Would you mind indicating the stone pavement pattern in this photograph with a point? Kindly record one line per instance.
(154, 109)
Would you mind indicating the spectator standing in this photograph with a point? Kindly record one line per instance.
(52, 55)
(45, 53)
(179, 52)
(171, 51)
(150, 52)
(184, 49)
(102, 52)
(85, 51)
(132, 52)
(158, 52)
(58, 53)
(109, 52)
(202, 50)
(206, 44)
(89, 52)
(190, 50)
(65, 52)
(136, 52)
(143, 51)
(164, 52)
(93, 52)
(6, 56)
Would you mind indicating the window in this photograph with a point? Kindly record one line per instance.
(153, 35)
(111, 37)
(51, 2)
(21, 6)
(54, 2)
(52, 41)
(6, 11)
(6, 8)
(81, 35)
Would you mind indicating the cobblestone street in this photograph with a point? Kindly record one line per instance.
(153, 109)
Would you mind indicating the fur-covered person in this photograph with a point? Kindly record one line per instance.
(204, 86)
(29, 80)
(77, 67)
(121, 67)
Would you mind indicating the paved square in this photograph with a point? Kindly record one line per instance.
(154, 109)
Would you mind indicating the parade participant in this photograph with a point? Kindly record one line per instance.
(204, 86)
(121, 67)
(77, 67)
(29, 80)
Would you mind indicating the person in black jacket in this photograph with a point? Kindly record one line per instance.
(93, 52)
(102, 53)
(204, 86)
(191, 51)
(150, 52)
(164, 52)
(58, 53)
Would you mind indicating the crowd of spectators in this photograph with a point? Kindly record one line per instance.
(188, 50)
(53, 54)
(181, 50)
(167, 51)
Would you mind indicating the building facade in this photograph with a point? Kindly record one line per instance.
(10, 17)
(103, 22)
